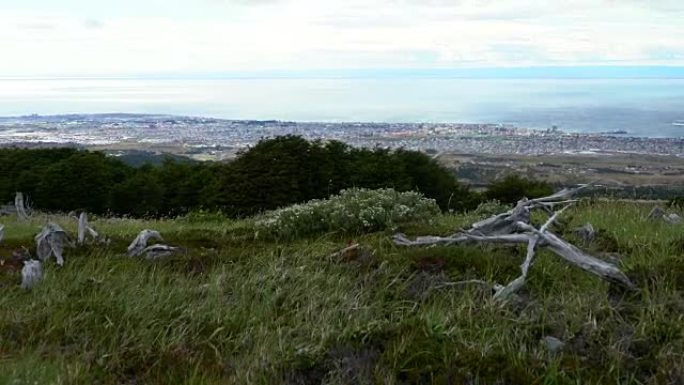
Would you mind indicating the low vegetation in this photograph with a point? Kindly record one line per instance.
(233, 309)
(353, 211)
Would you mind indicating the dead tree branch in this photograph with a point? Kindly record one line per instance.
(84, 229)
(139, 246)
(514, 227)
(20, 206)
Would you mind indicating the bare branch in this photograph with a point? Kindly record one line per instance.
(518, 283)
(464, 283)
(336, 255)
(576, 257)
(158, 251)
(463, 238)
(20, 206)
(401, 240)
(85, 229)
(552, 219)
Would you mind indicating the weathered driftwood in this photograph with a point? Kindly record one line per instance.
(158, 251)
(139, 246)
(140, 242)
(51, 241)
(518, 283)
(339, 254)
(532, 243)
(31, 274)
(578, 258)
(84, 229)
(20, 206)
(460, 238)
(514, 227)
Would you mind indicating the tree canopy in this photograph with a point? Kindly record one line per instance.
(273, 173)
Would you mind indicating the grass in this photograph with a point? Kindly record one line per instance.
(233, 310)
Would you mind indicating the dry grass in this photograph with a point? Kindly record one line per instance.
(237, 311)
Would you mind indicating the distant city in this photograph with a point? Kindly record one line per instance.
(210, 138)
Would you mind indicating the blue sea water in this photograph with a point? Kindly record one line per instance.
(642, 107)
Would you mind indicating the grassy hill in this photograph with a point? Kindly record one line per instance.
(235, 310)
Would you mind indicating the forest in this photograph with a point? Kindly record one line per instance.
(274, 173)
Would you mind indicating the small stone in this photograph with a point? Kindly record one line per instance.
(31, 274)
(656, 213)
(553, 344)
(672, 219)
(586, 233)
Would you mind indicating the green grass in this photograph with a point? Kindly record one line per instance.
(233, 310)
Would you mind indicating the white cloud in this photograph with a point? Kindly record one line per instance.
(314, 34)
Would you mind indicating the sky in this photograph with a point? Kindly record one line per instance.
(124, 37)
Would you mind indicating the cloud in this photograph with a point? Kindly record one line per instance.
(40, 26)
(93, 23)
(310, 34)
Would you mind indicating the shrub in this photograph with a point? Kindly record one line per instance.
(352, 211)
(513, 188)
(490, 208)
(677, 202)
(202, 216)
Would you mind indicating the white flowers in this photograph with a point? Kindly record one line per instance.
(352, 211)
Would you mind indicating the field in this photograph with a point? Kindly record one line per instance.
(235, 310)
(612, 169)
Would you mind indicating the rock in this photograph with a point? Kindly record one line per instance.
(31, 274)
(659, 213)
(586, 233)
(553, 344)
(672, 219)
(51, 241)
(656, 213)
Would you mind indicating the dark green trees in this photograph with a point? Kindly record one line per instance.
(274, 173)
(286, 170)
(513, 188)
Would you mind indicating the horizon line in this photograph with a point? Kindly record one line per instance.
(527, 72)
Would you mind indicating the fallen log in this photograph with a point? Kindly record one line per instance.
(513, 227)
(462, 238)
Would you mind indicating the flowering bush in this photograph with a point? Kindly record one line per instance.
(352, 211)
(490, 208)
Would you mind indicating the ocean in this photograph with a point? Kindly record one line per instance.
(641, 107)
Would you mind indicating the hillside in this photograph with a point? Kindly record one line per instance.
(235, 310)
